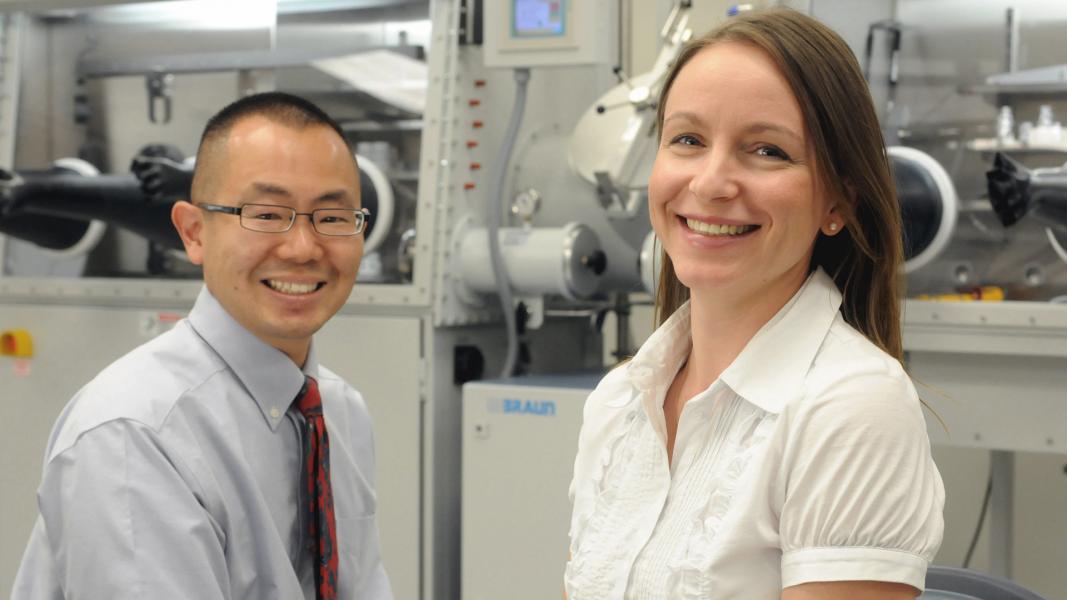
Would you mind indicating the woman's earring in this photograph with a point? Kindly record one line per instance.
(833, 227)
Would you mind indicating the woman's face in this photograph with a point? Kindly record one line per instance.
(734, 195)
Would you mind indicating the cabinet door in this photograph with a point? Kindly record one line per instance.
(380, 357)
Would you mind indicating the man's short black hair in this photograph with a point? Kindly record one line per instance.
(285, 109)
(276, 106)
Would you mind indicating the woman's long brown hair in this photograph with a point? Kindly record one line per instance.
(865, 258)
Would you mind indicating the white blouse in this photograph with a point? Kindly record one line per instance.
(807, 460)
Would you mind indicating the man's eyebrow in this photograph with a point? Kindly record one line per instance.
(341, 195)
(270, 189)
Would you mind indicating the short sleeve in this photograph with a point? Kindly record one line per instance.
(863, 498)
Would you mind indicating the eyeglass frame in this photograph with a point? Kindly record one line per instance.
(236, 211)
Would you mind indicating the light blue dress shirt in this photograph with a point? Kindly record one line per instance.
(176, 473)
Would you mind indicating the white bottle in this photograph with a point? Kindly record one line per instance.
(1005, 126)
(1047, 131)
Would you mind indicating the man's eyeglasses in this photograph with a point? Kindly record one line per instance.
(268, 218)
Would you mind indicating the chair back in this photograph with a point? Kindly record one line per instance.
(952, 583)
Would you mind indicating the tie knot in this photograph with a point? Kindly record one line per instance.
(309, 402)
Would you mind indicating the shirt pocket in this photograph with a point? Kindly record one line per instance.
(354, 498)
(358, 552)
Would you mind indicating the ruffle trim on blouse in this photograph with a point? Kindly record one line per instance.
(594, 554)
(690, 578)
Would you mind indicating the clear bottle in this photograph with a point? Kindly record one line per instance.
(1025, 128)
(1005, 125)
(1044, 116)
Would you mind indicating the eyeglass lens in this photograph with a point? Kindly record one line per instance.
(327, 221)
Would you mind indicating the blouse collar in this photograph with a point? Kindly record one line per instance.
(772, 366)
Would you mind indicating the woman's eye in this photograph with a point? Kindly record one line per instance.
(685, 139)
(772, 152)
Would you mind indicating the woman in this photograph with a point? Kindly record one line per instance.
(765, 441)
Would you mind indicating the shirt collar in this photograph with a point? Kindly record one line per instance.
(268, 374)
(660, 357)
(772, 366)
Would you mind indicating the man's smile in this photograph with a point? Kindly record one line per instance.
(292, 287)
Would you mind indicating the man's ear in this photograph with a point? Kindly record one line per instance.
(189, 221)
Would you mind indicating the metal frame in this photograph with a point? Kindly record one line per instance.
(939, 336)
(10, 80)
(440, 175)
(1013, 328)
(222, 61)
(98, 292)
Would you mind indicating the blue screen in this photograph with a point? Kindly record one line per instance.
(538, 18)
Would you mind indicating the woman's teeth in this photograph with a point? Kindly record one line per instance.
(287, 287)
(712, 229)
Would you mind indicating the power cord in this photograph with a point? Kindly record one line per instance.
(981, 518)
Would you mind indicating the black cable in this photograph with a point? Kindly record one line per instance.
(981, 517)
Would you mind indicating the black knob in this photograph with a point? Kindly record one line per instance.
(597, 262)
(468, 364)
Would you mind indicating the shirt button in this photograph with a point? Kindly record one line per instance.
(274, 412)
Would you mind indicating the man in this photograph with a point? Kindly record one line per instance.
(198, 466)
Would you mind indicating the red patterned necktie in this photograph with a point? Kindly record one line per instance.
(321, 522)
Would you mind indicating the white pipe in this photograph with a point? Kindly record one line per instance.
(96, 229)
(1060, 252)
(949, 205)
(383, 220)
(495, 217)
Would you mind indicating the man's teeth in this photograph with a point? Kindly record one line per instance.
(287, 287)
(712, 229)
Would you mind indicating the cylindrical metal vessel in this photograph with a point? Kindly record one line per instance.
(567, 260)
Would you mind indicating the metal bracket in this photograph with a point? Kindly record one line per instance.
(158, 85)
(619, 203)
